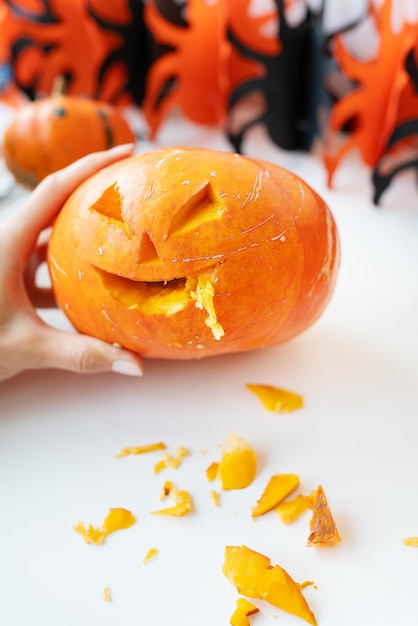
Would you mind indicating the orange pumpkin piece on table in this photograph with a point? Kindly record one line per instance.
(107, 596)
(278, 488)
(324, 530)
(150, 555)
(186, 253)
(116, 519)
(255, 577)
(238, 464)
(50, 133)
(289, 510)
(243, 610)
(411, 542)
(276, 399)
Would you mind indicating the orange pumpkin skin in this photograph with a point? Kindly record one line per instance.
(47, 134)
(185, 253)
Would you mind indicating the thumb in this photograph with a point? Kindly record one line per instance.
(84, 355)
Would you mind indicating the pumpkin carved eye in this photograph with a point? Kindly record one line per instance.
(109, 205)
(180, 253)
(203, 206)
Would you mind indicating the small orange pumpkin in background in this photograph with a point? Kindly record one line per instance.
(47, 134)
(185, 253)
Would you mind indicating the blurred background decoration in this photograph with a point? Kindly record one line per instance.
(337, 75)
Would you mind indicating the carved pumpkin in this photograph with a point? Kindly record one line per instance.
(185, 253)
(50, 133)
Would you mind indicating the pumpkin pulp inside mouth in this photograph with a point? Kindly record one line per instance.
(166, 297)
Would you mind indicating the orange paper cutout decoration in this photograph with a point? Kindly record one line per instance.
(373, 106)
(60, 38)
(401, 149)
(195, 67)
(250, 28)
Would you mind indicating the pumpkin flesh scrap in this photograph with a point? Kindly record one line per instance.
(150, 555)
(116, 519)
(277, 489)
(255, 577)
(411, 542)
(140, 449)
(171, 461)
(276, 399)
(107, 595)
(182, 499)
(243, 610)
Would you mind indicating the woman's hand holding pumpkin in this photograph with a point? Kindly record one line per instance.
(26, 341)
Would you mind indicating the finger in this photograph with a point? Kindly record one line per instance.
(47, 199)
(82, 354)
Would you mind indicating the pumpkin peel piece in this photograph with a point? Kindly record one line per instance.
(278, 488)
(254, 576)
(243, 610)
(323, 527)
(276, 399)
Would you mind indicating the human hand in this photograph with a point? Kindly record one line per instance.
(26, 341)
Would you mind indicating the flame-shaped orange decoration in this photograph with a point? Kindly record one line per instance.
(250, 28)
(57, 38)
(198, 63)
(374, 104)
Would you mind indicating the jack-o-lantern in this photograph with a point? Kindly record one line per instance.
(186, 253)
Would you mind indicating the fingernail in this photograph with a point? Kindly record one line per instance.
(123, 147)
(126, 367)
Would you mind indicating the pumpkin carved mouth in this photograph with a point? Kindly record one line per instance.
(166, 297)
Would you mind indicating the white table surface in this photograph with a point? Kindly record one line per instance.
(357, 369)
